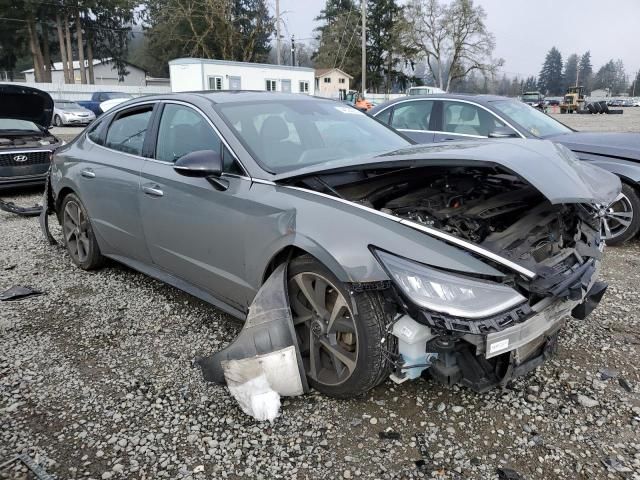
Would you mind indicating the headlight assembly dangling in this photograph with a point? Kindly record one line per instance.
(449, 293)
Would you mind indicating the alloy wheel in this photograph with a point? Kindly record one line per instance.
(325, 327)
(616, 218)
(76, 232)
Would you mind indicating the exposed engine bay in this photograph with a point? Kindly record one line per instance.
(26, 141)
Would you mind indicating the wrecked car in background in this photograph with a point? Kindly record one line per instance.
(460, 259)
(25, 143)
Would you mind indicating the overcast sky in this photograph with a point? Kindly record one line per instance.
(525, 30)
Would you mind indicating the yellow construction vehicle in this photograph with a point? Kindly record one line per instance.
(573, 100)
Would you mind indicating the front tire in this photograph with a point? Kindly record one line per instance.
(340, 335)
(621, 220)
(78, 234)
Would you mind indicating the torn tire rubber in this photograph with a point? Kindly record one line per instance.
(78, 235)
(346, 358)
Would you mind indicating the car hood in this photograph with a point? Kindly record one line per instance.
(25, 103)
(552, 169)
(610, 144)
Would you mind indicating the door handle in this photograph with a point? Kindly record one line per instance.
(88, 173)
(153, 190)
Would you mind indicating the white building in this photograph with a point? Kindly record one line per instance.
(104, 73)
(194, 74)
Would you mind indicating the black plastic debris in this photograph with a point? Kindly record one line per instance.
(505, 473)
(9, 267)
(389, 435)
(18, 292)
(607, 373)
(624, 383)
(18, 210)
(423, 464)
(36, 469)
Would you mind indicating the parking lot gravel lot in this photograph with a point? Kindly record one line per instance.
(96, 381)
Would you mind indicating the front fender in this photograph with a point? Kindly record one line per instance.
(625, 169)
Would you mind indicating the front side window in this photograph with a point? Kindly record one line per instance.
(285, 135)
(127, 131)
(412, 115)
(468, 119)
(270, 85)
(183, 130)
(531, 119)
(215, 83)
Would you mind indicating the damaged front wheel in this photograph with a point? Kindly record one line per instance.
(339, 334)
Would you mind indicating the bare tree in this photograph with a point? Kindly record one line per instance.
(63, 48)
(453, 39)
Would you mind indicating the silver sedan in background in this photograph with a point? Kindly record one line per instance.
(66, 112)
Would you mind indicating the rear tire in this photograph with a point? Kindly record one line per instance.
(625, 208)
(355, 335)
(78, 235)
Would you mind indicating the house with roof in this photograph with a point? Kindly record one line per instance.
(332, 82)
(104, 73)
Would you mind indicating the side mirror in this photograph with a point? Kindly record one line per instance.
(503, 132)
(203, 164)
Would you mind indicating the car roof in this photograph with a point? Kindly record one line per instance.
(477, 98)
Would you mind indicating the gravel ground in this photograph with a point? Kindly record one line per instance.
(96, 381)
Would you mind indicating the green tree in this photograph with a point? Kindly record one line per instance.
(585, 71)
(611, 76)
(222, 29)
(550, 78)
(634, 88)
(570, 71)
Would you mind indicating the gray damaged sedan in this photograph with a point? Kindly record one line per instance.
(460, 260)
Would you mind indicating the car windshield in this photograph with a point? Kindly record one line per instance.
(531, 119)
(12, 124)
(285, 135)
(70, 105)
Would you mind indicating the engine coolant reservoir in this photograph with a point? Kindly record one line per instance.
(412, 343)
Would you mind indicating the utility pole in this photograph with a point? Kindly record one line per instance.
(293, 51)
(278, 31)
(364, 46)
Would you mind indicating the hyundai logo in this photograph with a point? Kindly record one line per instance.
(20, 158)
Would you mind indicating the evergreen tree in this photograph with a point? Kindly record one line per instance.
(570, 71)
(634, 88)
(611, 76)
(585, 71)
(384, 18)
(550, 78)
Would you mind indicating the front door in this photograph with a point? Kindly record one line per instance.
(193, 230)
(286, 85)
(465, 121)
(109, 182)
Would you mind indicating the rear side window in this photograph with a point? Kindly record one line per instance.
(414, 115)
(126, 133)
(385, 116)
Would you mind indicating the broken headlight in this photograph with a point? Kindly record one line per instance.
(449, 293)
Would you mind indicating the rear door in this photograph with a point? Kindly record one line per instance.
(286, 86)
(414, 118)
(109, 179)
(193, 230)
